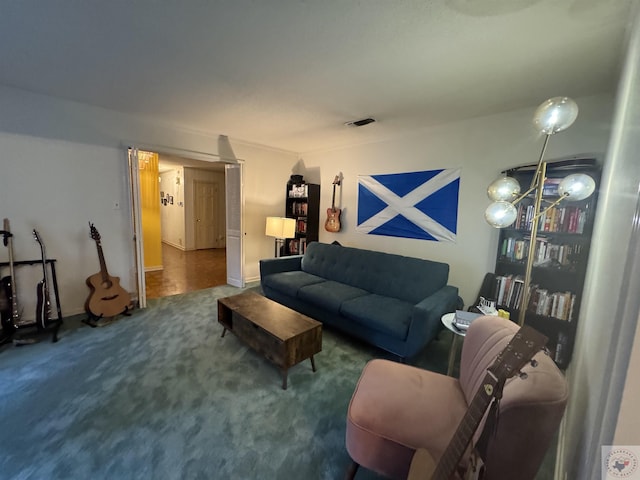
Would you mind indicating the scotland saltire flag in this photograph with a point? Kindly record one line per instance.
(420, 205)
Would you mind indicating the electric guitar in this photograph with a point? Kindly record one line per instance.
(332, 224)
(518, 352)
(107, 298)
(10, 314)
(43, 307)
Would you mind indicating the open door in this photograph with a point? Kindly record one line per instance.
(136, 227)
(235, 227)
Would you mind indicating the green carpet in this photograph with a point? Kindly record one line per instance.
(160, 395)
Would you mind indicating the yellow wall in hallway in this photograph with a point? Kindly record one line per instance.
(150, 208)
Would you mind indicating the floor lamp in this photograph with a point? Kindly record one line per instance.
(280, 228)
(551, 117)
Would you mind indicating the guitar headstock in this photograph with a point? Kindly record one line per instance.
(94, 233)
(518, 352)
(337, 180)
(36, 235)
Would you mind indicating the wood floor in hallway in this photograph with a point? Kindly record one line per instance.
(187, 271)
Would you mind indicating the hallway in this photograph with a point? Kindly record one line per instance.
(187, 271)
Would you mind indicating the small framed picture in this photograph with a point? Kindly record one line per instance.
(161, 194)
(171, 199)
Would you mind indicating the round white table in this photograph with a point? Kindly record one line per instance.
(447, 321)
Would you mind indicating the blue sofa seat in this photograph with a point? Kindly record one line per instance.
(391, 301)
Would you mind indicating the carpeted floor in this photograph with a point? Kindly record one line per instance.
(160, 395)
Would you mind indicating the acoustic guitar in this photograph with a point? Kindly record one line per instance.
(332, 224)
(520, 350)
(43, 306)
(107, 297)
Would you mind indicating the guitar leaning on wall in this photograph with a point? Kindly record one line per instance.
(107, 297)
(43, 307)
(332, 224)
(10, 313)
(519, 351)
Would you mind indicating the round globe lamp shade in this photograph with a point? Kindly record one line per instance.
(504, 189)
(577, 186)
(555, 115)
(500, 214)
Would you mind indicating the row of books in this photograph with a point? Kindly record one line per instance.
(301, 225)
(297, 246)
(299, 208)
(567, 219)
(509, 292)
(546, 253)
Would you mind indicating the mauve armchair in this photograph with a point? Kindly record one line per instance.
(397, 409)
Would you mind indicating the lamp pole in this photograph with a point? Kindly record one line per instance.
(541, 173)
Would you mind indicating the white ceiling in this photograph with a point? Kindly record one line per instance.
(290, 73)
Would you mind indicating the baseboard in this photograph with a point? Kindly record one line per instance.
(154, 269)
(175, 245)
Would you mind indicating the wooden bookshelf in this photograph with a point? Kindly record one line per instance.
(561, 256)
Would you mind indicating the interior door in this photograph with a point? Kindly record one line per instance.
(235, 227)
(136, 227)
(206, 198)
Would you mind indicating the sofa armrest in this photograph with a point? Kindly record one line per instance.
(269, 266)
(426, 318)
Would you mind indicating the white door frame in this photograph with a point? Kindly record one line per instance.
(131, 154)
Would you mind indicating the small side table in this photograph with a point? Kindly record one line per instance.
(447, 321)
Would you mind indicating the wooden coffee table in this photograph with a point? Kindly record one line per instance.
(283, 336)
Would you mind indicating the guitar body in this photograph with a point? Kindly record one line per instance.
(43, 307)
(107, 297)
(332, 224)
(8, 328)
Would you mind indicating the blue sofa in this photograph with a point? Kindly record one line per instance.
(390, 301)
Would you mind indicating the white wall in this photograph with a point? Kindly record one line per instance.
(62, 164)
(481, 148)
(57, 187)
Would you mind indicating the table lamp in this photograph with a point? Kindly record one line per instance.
(280, 228)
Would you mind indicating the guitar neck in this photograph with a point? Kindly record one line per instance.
(467, 427)
(15, 314)
(103, 264)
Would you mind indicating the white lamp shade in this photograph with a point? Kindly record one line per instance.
(280, 227)
(504, 189)
(555, 115)
(577, 186)
(500, 214)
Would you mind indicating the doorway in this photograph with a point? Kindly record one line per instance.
(192, 236)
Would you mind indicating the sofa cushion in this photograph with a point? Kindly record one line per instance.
(405, 278)
(329, 295)
(384, 314)
(290, 282)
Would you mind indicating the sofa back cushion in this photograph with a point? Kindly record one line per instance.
(406, 278)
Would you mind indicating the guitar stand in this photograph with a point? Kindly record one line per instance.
(34, 335)
(100, 321)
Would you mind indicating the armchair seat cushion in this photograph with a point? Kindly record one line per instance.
(396, 409)
(329, 294)
(384, 314)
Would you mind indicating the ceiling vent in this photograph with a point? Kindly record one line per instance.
(360, 123)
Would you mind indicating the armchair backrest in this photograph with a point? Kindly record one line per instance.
(530, 410)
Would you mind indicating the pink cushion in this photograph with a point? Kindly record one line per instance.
(397, 408)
